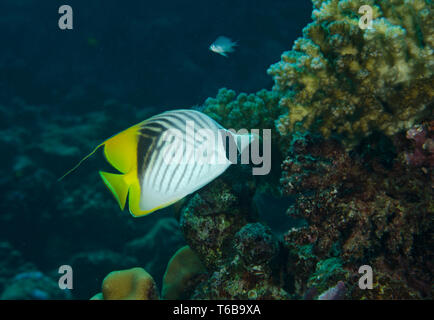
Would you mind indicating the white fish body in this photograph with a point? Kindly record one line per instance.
(168, 182)
(223, 45)
(167, 157)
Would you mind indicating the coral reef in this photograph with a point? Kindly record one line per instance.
(339, 78)
(248, 111)
(131, 284)
(90, 268)
(21, 280)
(164, 235)
(33, 285)
(366, 197)
(243, 277)
(256, 245)
(351, 110)
(210, 220)
(360, 210)
(422, 153)
(182, 274)
(237, 252)
(184, 271)
(12, 263)
(230, 256)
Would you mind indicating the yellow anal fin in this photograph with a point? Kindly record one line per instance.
(134, 202)
(118, 185)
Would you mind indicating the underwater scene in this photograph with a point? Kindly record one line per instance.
(216, 150)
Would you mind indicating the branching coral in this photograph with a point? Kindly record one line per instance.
(341, 79)
(249, 111)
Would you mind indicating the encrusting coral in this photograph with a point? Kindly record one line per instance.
(361, 209)
(239, 253)
(131, 284)
(339, 78)
(210, 220)
(422, 153)
(251, 270)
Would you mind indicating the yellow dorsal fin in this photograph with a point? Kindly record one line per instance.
(120, 150)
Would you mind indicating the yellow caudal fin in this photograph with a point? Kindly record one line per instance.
(118, 185)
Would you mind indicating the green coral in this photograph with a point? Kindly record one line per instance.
(249, 111)
(341, 79)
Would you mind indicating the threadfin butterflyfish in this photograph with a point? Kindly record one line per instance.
(167, 157)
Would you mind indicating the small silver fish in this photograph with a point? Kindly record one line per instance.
(223, 45)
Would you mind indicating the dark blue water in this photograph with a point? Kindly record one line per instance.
(147, 53)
